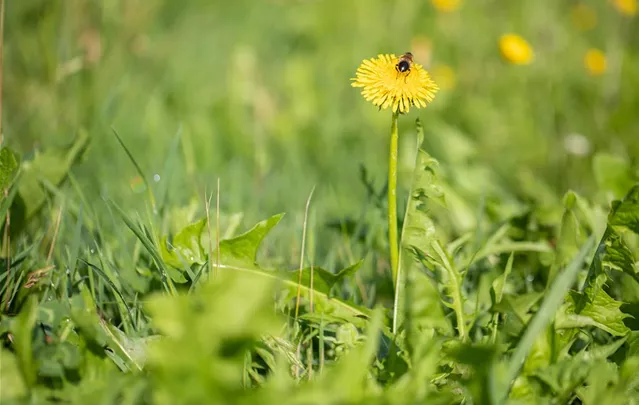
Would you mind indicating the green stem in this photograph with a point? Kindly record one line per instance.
(392, 199)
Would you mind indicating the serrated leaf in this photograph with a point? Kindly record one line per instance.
(612, 252)
(626, 213)
(566, 375)
(417, 305)
(602, 312)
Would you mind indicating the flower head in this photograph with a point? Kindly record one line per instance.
(627, 7)
(595, 62)
(515, 49)
(385, 85)
(446, 6)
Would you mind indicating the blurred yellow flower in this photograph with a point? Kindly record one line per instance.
(595, 62)
(515, 49)
(445, 76)
(627, 7)
(422, 48)
(446, 6)
(385, 86)
(583, 17)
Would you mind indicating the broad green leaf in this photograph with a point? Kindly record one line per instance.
(565, 376)
(52, 312)
(417, 305)
(239, 254)
(186, 247)
(12, 380)
(323, 281)
(131, 350)
(602, 386)
(22, 332)
(243, 248)
(613, 252)
(223, 319)
(602, 312)
(626, 213)
(8, 168)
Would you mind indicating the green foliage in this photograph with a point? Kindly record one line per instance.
(8, 167)
(124, 281)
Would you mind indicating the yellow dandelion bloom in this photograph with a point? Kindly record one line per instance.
(595, 62)
(583, 17)
(385, 86)
(446, 6)
(627, 7)
(515, 49)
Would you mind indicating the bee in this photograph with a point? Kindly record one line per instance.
(404, 64)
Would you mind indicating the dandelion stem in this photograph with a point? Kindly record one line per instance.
(392, 199)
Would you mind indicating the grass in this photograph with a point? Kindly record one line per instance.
(150, 149)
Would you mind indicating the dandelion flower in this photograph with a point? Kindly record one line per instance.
(595, 62)
(385, 86)
(583, 17)
(446, 6)
(627, 7)
(515, 49)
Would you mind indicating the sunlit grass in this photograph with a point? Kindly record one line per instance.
(517, 204)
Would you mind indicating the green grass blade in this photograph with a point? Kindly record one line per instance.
(546, 312)
(168, 169)
(137, 168)
(115, 290)
(148, 244)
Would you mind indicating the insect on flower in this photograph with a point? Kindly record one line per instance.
(404, 64)
(382, 85)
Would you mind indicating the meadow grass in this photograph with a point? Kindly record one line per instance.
(195, 207)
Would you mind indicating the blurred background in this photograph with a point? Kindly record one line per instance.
(535, 97)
